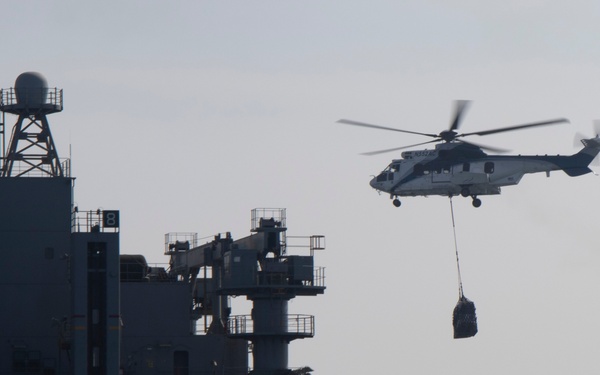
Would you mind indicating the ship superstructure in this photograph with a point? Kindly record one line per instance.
(73, 304)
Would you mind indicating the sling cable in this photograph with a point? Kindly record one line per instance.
(464, 319)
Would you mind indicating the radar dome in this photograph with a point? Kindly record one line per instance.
(31, 89)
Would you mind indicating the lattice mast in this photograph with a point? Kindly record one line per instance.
(31, 150)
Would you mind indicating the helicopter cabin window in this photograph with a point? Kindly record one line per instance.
(466, 167)
(488, 167)
(442, 170)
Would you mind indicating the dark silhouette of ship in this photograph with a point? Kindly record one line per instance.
(72, 304)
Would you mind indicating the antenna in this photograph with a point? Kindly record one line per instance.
(31, 149)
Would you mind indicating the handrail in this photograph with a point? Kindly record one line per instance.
(52, 96)
(90, 221)
(25, 169)
(294, 325)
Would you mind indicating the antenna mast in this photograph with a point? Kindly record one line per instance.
(31, 149)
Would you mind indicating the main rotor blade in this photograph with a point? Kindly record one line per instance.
(396, 148)
(487, 148)
(516, 127)
(364, 124)
(461, 105)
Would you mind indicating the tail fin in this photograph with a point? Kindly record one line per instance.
(590, 150)
(583, 158)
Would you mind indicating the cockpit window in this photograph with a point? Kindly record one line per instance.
(392, 168)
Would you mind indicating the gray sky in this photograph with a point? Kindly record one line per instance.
(187, 115)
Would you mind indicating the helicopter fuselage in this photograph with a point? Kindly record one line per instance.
(455, 168)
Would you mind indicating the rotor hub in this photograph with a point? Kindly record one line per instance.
(448, 135)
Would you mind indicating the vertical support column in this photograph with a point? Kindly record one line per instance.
(32, 148)
(270, 352)
(96, 308)
(96, 312)
(78, 280)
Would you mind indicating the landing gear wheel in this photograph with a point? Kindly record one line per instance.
(476, 202)
(396, 202)
(465, 192)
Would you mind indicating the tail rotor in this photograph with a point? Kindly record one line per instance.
(581, 138)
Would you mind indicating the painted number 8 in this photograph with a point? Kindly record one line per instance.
(111, 219)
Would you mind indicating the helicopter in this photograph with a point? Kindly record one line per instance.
(457, 167)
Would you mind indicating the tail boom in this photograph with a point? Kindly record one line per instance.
(578, 163)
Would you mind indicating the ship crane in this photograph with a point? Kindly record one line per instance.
(259, 268)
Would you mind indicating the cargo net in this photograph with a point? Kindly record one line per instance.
(464, 319)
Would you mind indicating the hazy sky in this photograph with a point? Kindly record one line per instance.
(187, 115)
